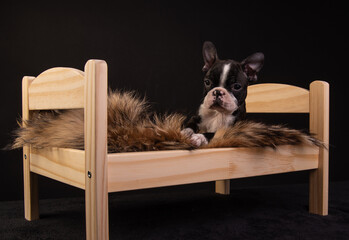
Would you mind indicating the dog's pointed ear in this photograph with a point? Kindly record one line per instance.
(209, 53)
(252, 65)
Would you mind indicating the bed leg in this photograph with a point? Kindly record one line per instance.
(97, 223)
(31, 199)
(96, 162)
(319, 125)
(30, 180)
(223, 187)
(318, 187)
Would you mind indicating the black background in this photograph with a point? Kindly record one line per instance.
(154, 47)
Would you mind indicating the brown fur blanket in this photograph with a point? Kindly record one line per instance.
(133, 127)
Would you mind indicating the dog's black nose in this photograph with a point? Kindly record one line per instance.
(217, 93)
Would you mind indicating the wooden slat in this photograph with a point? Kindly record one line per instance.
(277, 98)
(64, 165)
(57, 88)
(319, 125)
(127, 171)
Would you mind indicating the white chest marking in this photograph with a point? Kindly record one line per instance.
(213, 120)
(224, 75)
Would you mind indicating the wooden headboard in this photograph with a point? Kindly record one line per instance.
(277, 98)
(63, 88)
(57, 88)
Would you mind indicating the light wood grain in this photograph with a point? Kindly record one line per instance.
(64, 165)
(31, 197)
(57, 88)
(319, 125)
(277, 98)
(96, 174)
(127, 171)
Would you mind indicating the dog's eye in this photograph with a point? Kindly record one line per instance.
(207, 82)
(237, 86)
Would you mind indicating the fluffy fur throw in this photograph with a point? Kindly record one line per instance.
(132, 127)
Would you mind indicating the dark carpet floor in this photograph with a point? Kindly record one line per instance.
(190, 212)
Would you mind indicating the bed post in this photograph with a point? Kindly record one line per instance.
(31, 198)
(96, 165)
(223, 187)
(319, 125)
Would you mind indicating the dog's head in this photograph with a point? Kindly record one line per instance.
(226, 81)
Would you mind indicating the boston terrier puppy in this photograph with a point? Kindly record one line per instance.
(225, 91)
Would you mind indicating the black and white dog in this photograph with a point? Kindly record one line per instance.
(225, 91)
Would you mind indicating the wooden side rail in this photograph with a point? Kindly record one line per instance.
(168, 168)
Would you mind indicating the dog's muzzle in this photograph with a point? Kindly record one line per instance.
(221, 100)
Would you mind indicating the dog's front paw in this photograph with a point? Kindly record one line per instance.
(198, 139)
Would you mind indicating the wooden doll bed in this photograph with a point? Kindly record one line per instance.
(100, 173)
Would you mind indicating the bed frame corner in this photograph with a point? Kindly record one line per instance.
(96, 165)
(30, 179)
(319, 103)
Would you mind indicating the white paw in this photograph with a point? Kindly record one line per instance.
(198, 139)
